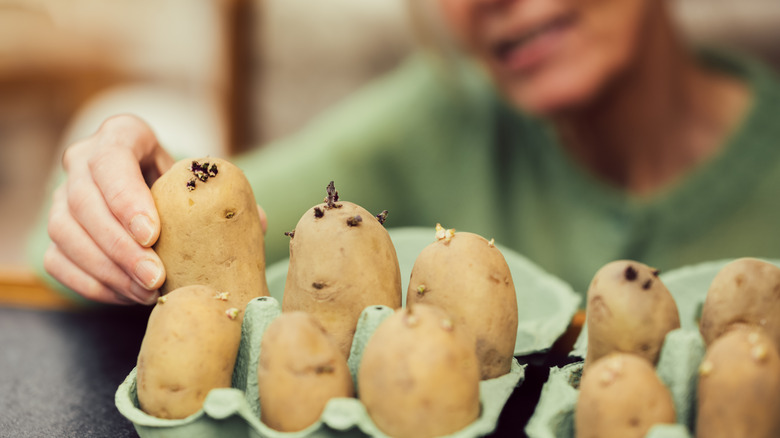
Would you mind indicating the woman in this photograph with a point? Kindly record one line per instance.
(576, 132)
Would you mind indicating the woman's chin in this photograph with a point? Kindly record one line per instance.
(551, 100)
(561, 87)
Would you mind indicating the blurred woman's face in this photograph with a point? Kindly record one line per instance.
(550, 55)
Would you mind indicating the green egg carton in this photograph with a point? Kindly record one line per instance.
(546, 305)
(235, 411)
(688, 286)
(677, 366)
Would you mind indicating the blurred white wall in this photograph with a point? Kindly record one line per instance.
(310, 54)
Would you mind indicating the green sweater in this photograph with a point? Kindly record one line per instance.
(442, 148)
(431, 149)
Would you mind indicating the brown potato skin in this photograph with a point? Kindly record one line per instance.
(621, 397)
(629, 310)
(419, 376)
(211, 235)
(745, 291)
(337, 270)
(189, 348)
(470, 279)
(739, 387)
(299, 370)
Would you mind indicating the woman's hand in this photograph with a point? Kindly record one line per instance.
(103, 220)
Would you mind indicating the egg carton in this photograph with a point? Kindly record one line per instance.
(677, 367)
(235, 411)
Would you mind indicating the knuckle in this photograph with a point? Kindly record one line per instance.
(53, 227)
(119, 122)
(119, 203)
(74, 153)
(58, 219)
(98, 159)
(68, 156)
(124, 130)
(77, 200)
(107, 273)
(119, 248)
(50, 260)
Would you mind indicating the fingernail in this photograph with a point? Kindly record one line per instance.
(142, 230)
(124, 300)
(148, 273)
(143, 296)
(152, 299)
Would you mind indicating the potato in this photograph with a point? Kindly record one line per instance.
(621, 397)
(189, 348)
(210, 229)
(745, 291)
(341, 261)
(629, 310)
(419, 375)
(299, 370)
(739, 387)
(467, 276)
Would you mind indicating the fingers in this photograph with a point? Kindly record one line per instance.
(103, 220)
(79, 263)
(108, 197)
(128, 132)
(93, 221)
(70, 275)
(122, 187)
(129, 151)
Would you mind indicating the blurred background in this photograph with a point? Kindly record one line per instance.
(219, 76)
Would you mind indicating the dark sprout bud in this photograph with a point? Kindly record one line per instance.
(382, 217)
(333, 196)
(630, 273)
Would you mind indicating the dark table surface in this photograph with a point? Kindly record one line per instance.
(59, 371)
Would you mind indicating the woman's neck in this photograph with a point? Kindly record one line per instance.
(664, 116)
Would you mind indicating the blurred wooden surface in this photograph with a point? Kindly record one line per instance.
(21, 288)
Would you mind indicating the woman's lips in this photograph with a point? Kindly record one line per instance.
(532, 48)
